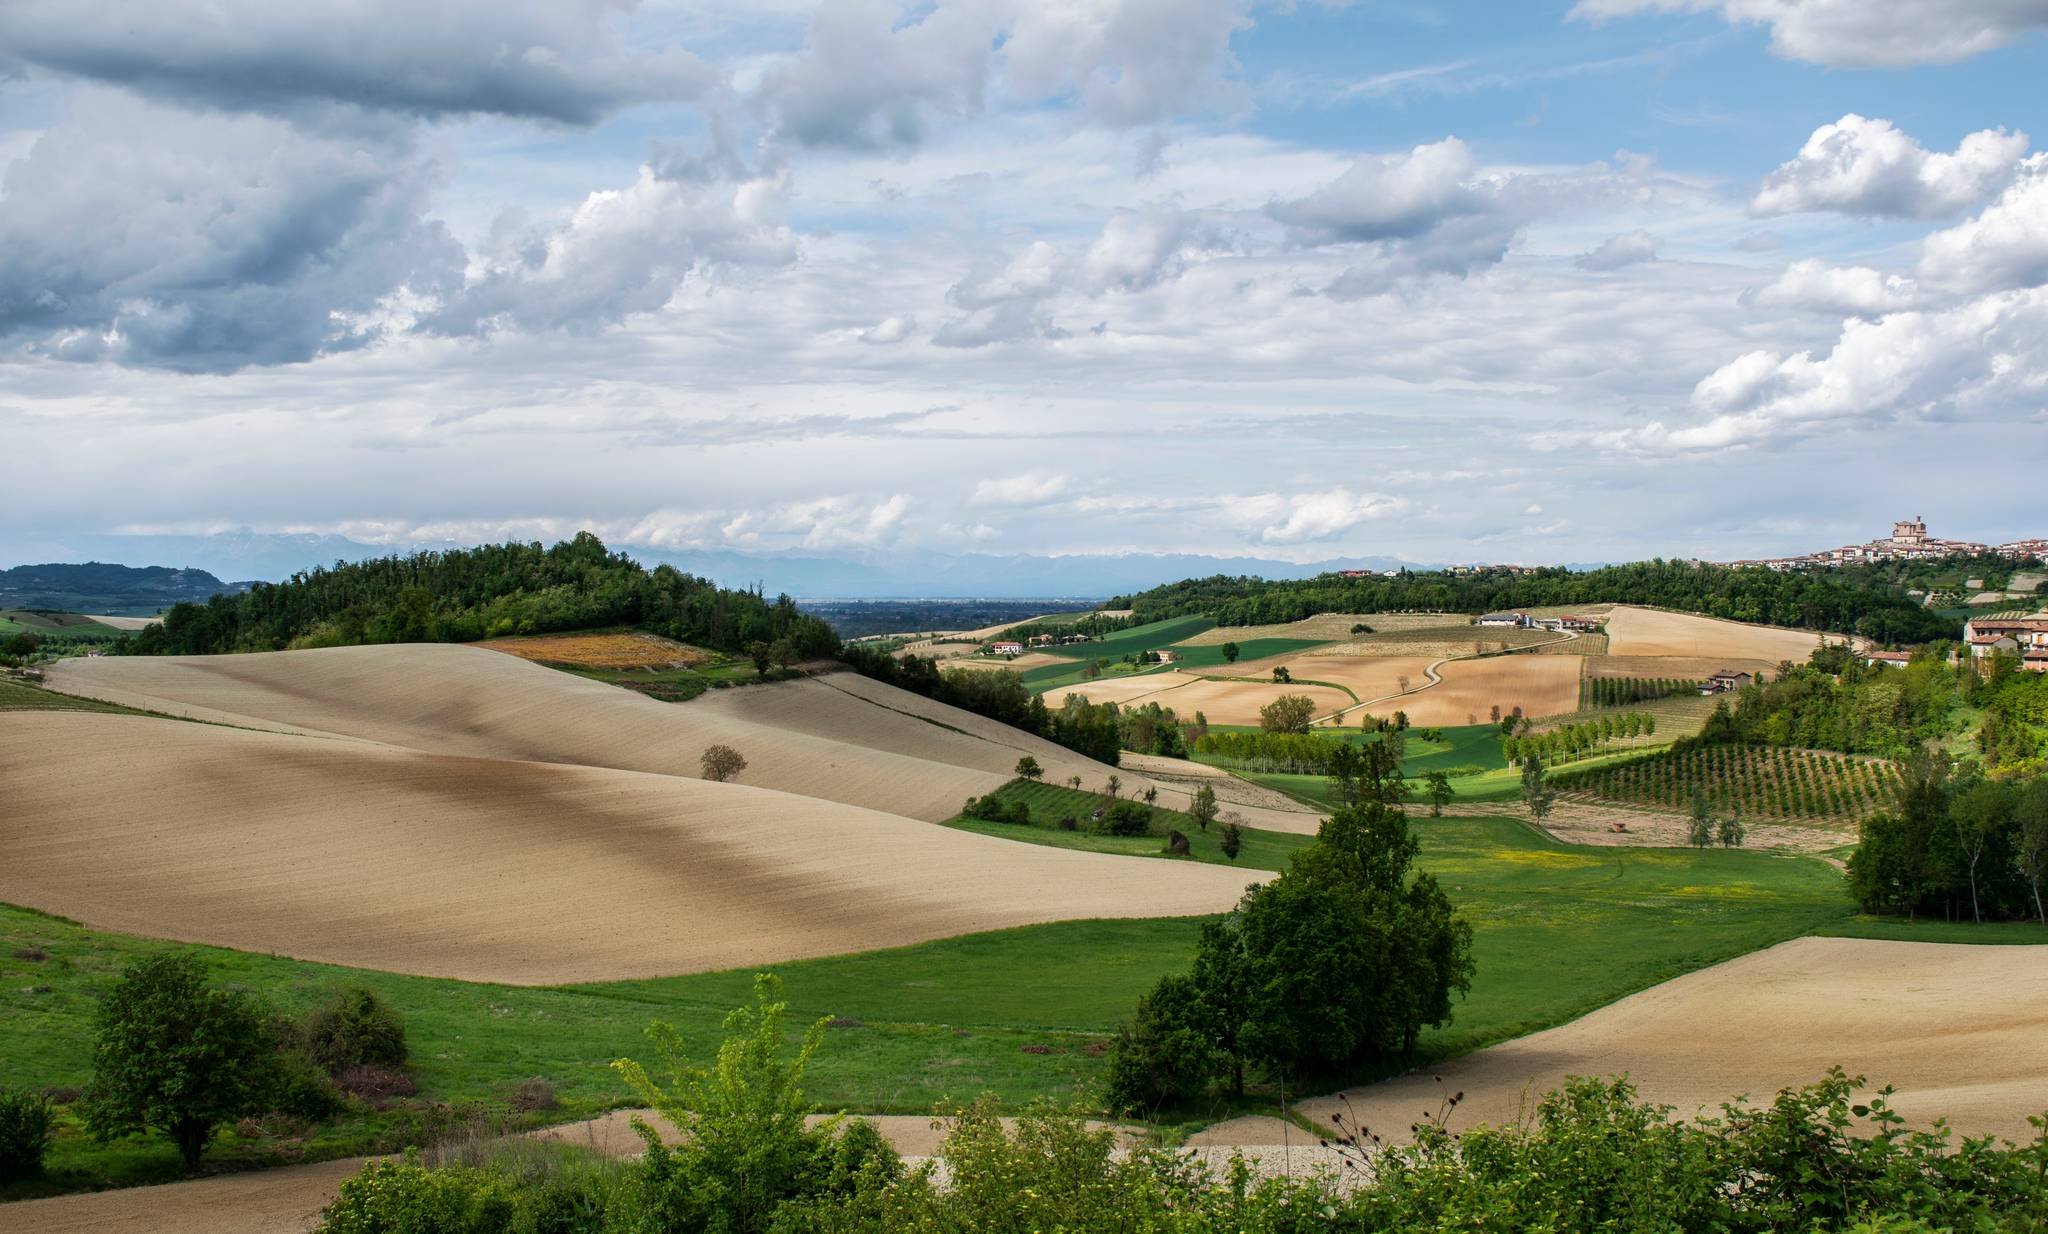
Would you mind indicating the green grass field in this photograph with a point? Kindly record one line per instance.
(1018, 1013)
(1462, 745)
(1048, 803)
(1149, 637)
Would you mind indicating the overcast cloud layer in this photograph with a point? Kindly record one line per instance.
(1544, 282)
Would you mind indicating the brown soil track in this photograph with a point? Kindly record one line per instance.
(1958, 1029)
(623, 650)
(492, 870)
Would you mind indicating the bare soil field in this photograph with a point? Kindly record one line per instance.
(326, 849)
(1539, 685)
(628, 650)
(446, 699)
(1238, 702)
(1958, 1029)
(1122, 690)
(125, 623)
(1369, 677)
(1651, 632)
(1683, 668)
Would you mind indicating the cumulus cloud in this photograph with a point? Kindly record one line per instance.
(1387, 197)
(889, 330)
(1030, 489)
(556, 60)
(877, 73)
(1815, 286)
(1868, 167)
(1628, 249)
(621, 252)
(1304, 517)
(155, 237)
(1860, 33)
(1911, 363)
(2005, 246)
(1136, 248)
(822, 523)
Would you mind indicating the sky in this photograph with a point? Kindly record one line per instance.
(1491, 281)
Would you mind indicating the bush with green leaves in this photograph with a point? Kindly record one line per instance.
(26, 1121)
(353, 1028)
(746, 1149)
(175, 1056)
(1127, 818)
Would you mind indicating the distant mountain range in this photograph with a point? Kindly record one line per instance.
(104, 588)
(910, 574)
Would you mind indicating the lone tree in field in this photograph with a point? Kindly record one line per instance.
(1439, 792)
(1290, 713)
(1282, 675)
(1700, 827)
(1536, 793)
(1028, 768)
(1151, 795)
(1230, 651)
(1231, 840)
(1113, 786)
(1731, 832)
(722, 763)
(1203, 808)
(762, 655)
(1074, 782)
(173, 1056)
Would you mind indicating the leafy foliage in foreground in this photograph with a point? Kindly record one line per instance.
(486, 592)
(1592, 1157)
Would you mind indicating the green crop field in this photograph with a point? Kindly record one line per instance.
(1018, 1013)
(1772, 782)
(1462, 746)
(1149, 637)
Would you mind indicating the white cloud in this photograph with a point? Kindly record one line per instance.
(879, 73)
(1815, 286)
(558, 60)
(1030, 489)
(821, 523)
(1135, 249)
(1305, 517)
(889, 330)
(621, 252)
(1868, 167)
(230, 240)
(1387, 197)
(1628, 249)
(1860, 33)
(2005, 246)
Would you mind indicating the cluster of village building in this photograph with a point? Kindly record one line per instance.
(1909, 541)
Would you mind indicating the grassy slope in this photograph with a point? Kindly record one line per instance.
(20, 696)
(1048, 803)
(1560, 930)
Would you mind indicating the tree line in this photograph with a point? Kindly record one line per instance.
(1091, 729)
(1809, 600)
(1956, 842)
(491, 591)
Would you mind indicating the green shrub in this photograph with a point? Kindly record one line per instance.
(25, 1125)
(394, 1197)
(1164, 1054)
(354, 1027)
(1127, 818)
(303, 1090)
